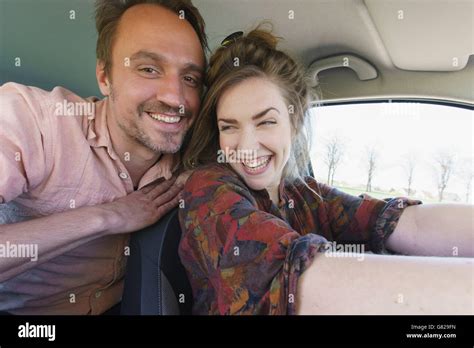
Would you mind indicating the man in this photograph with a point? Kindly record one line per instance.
(77, 176)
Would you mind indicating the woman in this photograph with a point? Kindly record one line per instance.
(253, 220)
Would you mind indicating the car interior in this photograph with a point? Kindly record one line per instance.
(353, 50)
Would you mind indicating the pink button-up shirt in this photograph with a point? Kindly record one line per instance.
(55, 155)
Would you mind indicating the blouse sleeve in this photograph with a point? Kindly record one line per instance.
(359, 219)
(239, 259)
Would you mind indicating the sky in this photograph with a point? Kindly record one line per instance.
(396, 130)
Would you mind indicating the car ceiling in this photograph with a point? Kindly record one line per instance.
(419, 48)
(432, 34)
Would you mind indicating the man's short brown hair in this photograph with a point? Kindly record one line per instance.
(109, 12)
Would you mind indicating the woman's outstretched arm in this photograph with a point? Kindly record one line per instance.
(435, 230)
(381, 284)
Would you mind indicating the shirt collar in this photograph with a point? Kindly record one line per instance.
(97, 130)
(164, 168)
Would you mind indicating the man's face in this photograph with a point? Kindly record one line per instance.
(155, 80)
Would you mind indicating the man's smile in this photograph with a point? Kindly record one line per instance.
(166, 122)
(165, 118)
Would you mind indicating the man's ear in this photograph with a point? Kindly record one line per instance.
(102, 79)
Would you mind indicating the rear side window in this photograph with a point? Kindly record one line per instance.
(388, 149)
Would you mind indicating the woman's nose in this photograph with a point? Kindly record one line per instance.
(248, 140)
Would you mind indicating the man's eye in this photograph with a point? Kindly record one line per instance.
(192, 81)
(148, 70)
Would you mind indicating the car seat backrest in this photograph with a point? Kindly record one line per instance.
(156, 282)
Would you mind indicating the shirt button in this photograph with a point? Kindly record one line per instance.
(98, 293)
(123, 175)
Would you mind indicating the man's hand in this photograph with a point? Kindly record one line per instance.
(142, 208)
(58, 233)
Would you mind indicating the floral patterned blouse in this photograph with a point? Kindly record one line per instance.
(243, 254)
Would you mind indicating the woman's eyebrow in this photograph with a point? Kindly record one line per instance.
(254, 117)
(263, 113)
(227, 120)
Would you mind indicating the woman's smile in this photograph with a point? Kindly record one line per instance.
(257, 166)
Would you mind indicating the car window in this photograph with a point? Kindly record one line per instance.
(420, 150)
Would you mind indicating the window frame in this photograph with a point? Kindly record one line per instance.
(444, 102)
(351, 101)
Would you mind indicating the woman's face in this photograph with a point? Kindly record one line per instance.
(253, 118)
